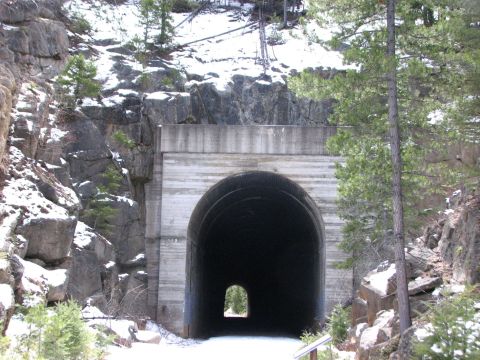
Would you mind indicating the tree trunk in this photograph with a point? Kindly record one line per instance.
(284, 25)
(398, 227)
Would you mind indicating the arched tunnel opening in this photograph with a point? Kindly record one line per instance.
(263, 232)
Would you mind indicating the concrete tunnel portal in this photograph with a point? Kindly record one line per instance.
(262, 231)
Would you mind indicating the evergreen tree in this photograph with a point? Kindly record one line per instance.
(153, 14)
(166, 27)
(436, 66)
(99, 212)
(77, 80)
(56, 333)
(409, 62)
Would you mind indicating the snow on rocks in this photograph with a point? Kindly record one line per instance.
(235, 53)
(93, 274)
(47, 226)
(38, 284)
(122, 329)
(377, 289)
(7, 305)
(380, 332)
(168, 107)
(382, 280)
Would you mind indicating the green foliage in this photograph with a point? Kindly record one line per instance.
(153, 14)
(171, 78)
(236, 298)
(437, 70)
(145, 80)
(184, 6)
(56, 333)
(120, 137)
(455, 330)
(4, 346)
(112, 180)
(308, 337)
(99, 212)
(77, 81)
(79, 24)
(166, 27)
(140, 49)
(338, 324)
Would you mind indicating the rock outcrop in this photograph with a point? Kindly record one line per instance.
(440, 259)
(459, 242)
(7, 90)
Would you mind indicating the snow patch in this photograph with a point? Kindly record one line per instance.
(159, 95)
(84, 235)
(380, 279)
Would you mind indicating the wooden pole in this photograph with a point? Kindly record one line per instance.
(313, 354)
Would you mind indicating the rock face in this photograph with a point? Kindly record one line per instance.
(247, 100)
(49, 238)
(15, 12)
(35, 37)
(93, 275)
(7, 305)
(7, 88)
(460, 240)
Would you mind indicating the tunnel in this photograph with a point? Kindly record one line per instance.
(263, 232)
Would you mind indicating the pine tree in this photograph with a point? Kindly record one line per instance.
(437, 50)
(100, 213)
(166, 27)
(398, 223)
(437, 69)
(153, 14)
(77, 80)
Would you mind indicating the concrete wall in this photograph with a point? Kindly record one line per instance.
(190, 159)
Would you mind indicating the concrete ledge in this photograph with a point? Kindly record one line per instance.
(235, 139)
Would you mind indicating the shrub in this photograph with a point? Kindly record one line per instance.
(112, 179)
(455, 330)
(120, 137)
(4, 345)
(80, 24)
(308, 337)
(275, 38)
(184, 6)
(338, 325)
(77, 81)
(57, 333)
(171, 78)
(99, 212)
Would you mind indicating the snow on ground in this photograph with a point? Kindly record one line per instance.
(238, 52)
(217, 348)
(234, 53)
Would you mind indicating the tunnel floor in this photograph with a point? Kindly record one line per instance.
(258, 231)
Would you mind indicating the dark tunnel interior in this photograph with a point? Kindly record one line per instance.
(261, 231)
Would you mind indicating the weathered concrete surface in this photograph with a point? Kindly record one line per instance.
(281, 140)
(191, 159)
